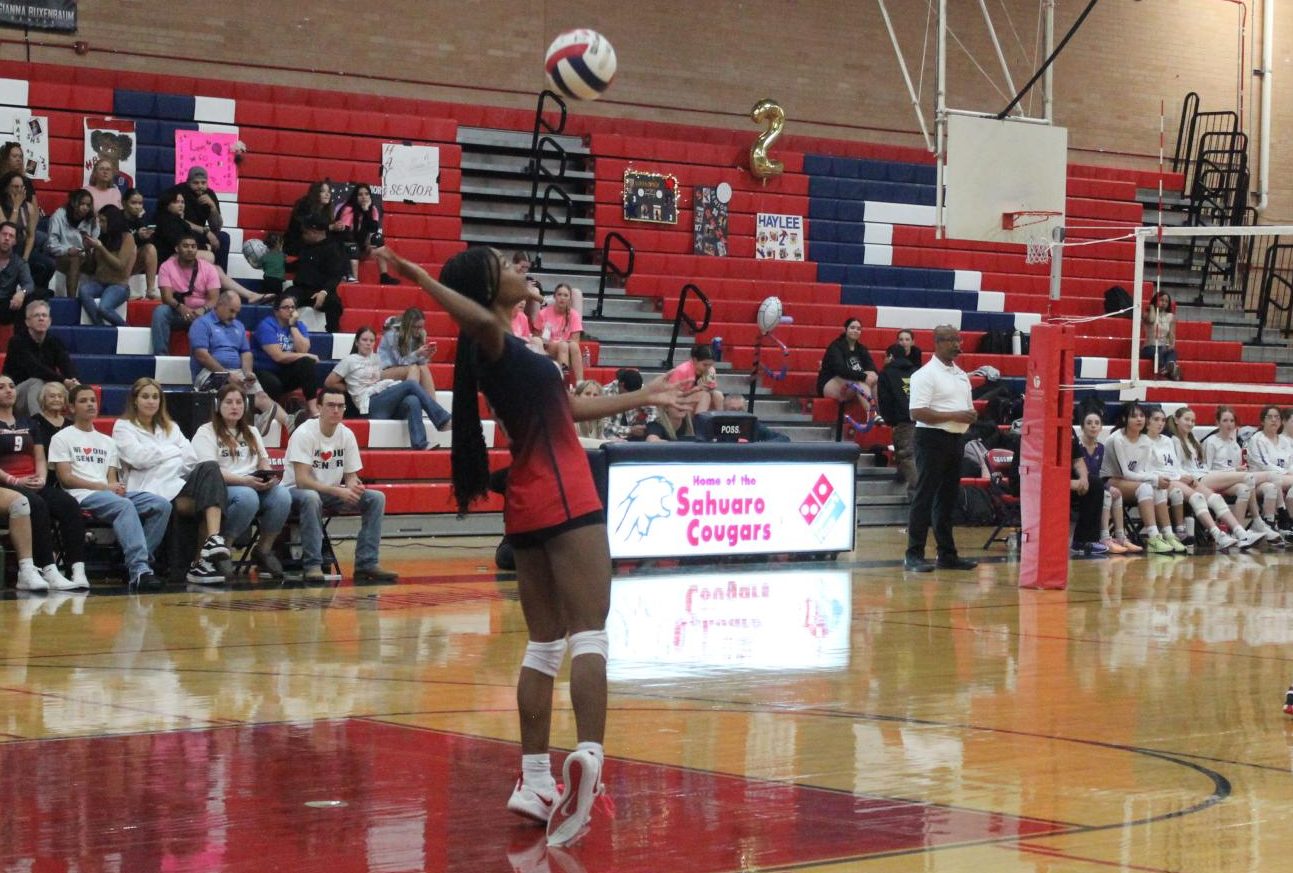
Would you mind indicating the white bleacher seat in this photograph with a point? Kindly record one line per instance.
(172, 370)
(1024, 321)
(967, 280)
(134, 341)
(991, 301)
(875, 233)
(899, 317)
(219, 110)
(898, 213)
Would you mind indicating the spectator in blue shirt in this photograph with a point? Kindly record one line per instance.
(218, 345)
(281, 354)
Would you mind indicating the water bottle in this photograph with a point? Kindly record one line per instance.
(1016, 343)
(588, 357)
(716, 346)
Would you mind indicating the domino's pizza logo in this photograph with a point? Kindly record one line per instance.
(821, 508)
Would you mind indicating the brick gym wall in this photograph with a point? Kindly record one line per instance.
(828, 63)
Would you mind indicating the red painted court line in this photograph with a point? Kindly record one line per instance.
(1055, 853)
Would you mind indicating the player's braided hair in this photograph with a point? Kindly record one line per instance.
(474, 274)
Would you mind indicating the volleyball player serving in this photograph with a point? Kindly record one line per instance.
(553, 517)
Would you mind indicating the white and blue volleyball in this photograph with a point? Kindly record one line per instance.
(580, 64)
(254, 250)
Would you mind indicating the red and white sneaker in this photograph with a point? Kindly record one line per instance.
(582, 777)
(530, 803)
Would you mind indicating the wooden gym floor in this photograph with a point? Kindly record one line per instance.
(765, 716)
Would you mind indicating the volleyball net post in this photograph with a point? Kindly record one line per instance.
(1045, 447)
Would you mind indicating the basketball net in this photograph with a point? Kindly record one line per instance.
(1038, 251)
(1037, 246)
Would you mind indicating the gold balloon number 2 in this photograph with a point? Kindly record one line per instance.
(769, 113)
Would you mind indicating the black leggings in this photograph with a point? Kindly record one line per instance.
(52, 502)
(331, 308)
(205, 487)
(288, 377)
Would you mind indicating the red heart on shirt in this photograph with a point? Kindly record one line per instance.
(325, 455)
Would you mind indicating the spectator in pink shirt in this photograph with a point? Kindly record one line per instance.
(698, 372)
(189, 287)
(560, 327)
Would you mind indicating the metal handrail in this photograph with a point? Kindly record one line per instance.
(547, 219)
(539, 171)
(609, 268)
(1203, 124)
(1281, 274)
(683, 316)
(1189, 108)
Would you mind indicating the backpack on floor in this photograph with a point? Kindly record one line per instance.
(973, 507)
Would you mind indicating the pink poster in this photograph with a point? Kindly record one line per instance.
(214, 151)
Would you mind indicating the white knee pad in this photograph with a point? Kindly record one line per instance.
(1267, 491)
(1242, 492)
(20, 508)
(1108, 500)
(1144, 491)
(544, 657)
(1217, 504)
(590, 643)
(1176, 496)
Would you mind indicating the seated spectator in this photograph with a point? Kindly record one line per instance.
(630, 425)
(671, 425)
(361, 220)
(1160, 336)
(893, 392)
(17, 288)
(1088, 499)
(405, 350)
(144, 233)
(314, 207)
(1089, 450)
(14, 160)
(697, 372)
(273, 265)
(70, 229)
(157, 458)
(218, 345)
(360, 374)
(201, 214)
(103, 185)
(593, 428)
(23, 469)
(172, 229)
(17, 207)
(50, 418)
(34, 357)
(189, 287)
(560, 326)
(280, 353)
(910, 350)
(847, 372)
(255, 492)
(88, 467)
(762, 433)
(322, 470)
(112, 257)
(522, 328)
(320, 268)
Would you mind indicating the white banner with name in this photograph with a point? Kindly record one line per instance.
(779, 237)
(681, 510)
(690, 625)
(32, 132)
(410, 173)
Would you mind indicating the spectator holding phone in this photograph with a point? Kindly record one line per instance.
(69, 231)
(144, 232)
(112, 257)
(405, 351)
(361, 219)
(255, 490)
(281, 354)
(361, 375)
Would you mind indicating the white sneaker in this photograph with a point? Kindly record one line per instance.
(29, 579)
(531, 803)
(1250, 538)
(582, 775)
(56, 580)
(1224, 540)
(78, 576)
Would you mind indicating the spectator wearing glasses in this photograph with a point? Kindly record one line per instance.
(281, 356)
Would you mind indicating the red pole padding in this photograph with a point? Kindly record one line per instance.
(1045, 466)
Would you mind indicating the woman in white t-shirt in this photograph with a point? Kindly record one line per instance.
(1233, 481)
(1271, 452)
(1185, 489)
(254, 488)
(359, 374)
(1129, 467)
(156, 458)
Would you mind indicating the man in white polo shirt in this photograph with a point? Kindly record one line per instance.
(943, 409)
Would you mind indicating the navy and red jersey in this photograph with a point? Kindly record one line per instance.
(17, 442)
(550, 482)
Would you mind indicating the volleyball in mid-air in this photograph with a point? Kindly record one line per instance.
(769, 314)
(580, 64)
(254, 250)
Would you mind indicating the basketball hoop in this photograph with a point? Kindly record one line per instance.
(1037, 246)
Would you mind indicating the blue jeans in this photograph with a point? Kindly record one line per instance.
(409, 399)
(246, 503)
(165, 320)
(310, 506)
(139, 520)
(105, 309)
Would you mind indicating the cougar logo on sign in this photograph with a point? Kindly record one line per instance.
(644, 504)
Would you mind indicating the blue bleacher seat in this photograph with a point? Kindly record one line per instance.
(988, 321)
(175, 106)
(134, 104)
(64, 310)
(87, 339)
(114, 399)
